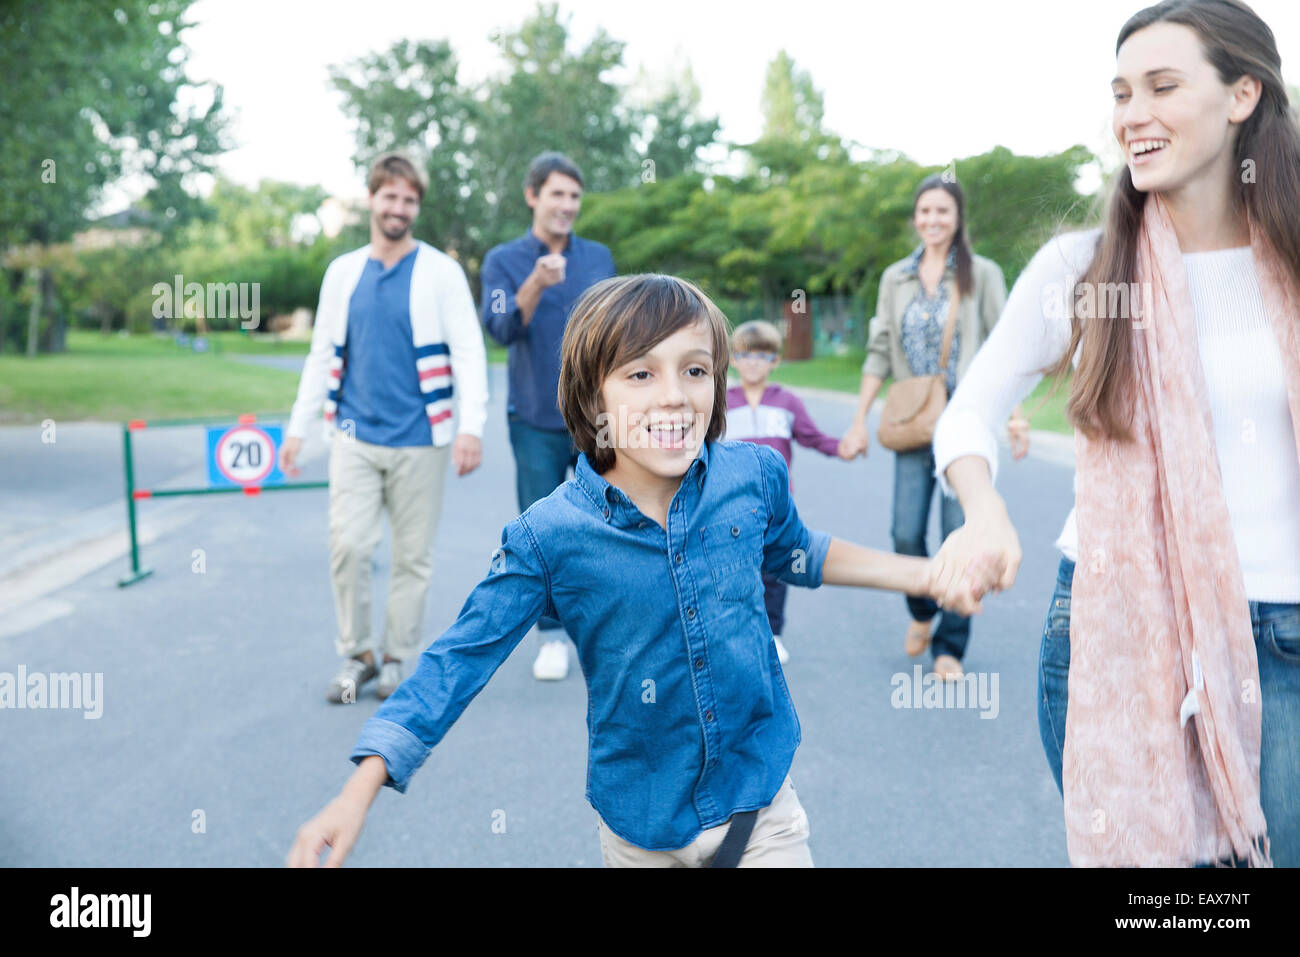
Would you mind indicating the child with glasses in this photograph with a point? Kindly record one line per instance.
(761, 412)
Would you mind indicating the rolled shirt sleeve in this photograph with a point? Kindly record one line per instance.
(792, 552)
(455, 667)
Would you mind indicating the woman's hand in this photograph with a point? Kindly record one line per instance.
(855, 442)
(1018, 433)
(983, 552)
(961, 592)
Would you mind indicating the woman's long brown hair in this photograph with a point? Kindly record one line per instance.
(1237, 43)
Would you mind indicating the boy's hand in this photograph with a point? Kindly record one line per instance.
(960, 589)
(338, 825)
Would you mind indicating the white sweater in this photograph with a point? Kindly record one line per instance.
(451, 358)
(1253, 434)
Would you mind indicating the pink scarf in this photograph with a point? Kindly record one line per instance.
(1162, 736)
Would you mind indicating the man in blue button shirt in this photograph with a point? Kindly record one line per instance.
(529, 287)
(653, 557)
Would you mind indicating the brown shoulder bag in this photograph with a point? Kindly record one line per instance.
(913, 405)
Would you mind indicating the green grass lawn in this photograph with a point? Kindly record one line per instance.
(109, 379)
(112, 378)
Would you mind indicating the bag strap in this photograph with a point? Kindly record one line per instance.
(948, 330)
(733, 844)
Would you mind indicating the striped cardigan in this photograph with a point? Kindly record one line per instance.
(444, 328)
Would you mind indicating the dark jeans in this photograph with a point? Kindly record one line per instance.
(1276, 628)
(914, 486)
(542, 460)
(774, 592)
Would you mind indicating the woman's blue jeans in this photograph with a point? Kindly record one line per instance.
(914, 487)
(1276, 628)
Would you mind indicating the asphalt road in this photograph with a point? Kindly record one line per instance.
(215, 741)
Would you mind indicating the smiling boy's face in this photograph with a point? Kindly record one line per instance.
(656, 409)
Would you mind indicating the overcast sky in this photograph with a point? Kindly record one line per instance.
(935, 79)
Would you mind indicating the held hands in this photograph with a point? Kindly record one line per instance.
(466, 453)
(975, 559)
(961, 591)
(855, 442)
(549, 269)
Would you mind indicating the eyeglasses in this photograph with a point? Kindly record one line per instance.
(764, 356)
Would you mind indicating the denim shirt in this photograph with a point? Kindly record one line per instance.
(533, 368)
(923, 322)
(688, 716)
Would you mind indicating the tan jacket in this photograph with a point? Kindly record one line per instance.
(976, 316)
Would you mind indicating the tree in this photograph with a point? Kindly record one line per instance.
(793, 135)
(71, 130)
(477, 141)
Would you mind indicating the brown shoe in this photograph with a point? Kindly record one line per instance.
(948, 668)
(918, 638)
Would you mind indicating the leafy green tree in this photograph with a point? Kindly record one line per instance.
(92, 95)
(477, 140)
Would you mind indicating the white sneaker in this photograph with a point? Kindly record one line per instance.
(781, 654)
(552, 662)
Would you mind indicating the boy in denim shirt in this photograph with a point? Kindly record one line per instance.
(652, 556)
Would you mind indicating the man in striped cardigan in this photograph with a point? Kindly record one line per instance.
(396, 339)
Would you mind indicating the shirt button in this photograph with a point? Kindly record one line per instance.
(708, 716)
(735, 532)
(690, 612)
(640, 524)
(607, 513)
(678, 559)
(699, 663)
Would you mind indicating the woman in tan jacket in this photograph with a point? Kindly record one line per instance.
(915, 300)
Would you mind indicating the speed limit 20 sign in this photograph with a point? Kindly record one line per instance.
(244, 454)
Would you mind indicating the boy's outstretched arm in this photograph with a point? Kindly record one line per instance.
(849, 564)
(800, 556)
(398, 738)
(806, 433)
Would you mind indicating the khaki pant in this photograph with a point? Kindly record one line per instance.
(779, 839)
(364, 480)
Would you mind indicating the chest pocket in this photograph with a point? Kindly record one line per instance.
(734, 552)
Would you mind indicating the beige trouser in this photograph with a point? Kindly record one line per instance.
(364, 480)
(779, 839)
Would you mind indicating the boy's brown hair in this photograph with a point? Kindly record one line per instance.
(616, 321)
(396, 166)
(757, 336)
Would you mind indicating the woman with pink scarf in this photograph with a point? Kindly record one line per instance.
(1177, 610)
